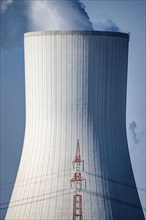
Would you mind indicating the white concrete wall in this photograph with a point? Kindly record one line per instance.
(75, 88)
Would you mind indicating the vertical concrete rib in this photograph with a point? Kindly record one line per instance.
(75, 88)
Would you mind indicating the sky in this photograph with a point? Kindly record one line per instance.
(18, 17)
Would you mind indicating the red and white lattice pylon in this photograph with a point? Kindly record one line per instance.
(76, 182)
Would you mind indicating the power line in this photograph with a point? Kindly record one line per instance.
(27, 179)
(44, 194)
(105, 197)
(11, 206)
(55, 173)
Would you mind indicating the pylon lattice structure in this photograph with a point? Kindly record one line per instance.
(76, 181)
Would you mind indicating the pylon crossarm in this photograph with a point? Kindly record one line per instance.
(77, 177)
(77, 160)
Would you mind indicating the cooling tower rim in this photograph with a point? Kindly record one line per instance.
(77, 32)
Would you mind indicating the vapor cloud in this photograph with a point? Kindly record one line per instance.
(22, 16)
(13, 24)
(5, 4)
(57, 15)
(106, 24)
(135, 134)
(37, 15)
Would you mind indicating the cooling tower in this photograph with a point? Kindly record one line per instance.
(75, 163)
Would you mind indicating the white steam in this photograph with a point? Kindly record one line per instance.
(5, 4)
(57, 15)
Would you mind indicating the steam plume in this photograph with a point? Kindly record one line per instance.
(134, 132)
(18, 17)
(57, 15)
(5, 4)
(106, 24)
(22, 16)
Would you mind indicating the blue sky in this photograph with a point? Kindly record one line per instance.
(125, 16)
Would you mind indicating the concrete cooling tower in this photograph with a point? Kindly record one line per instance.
(75, 163)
